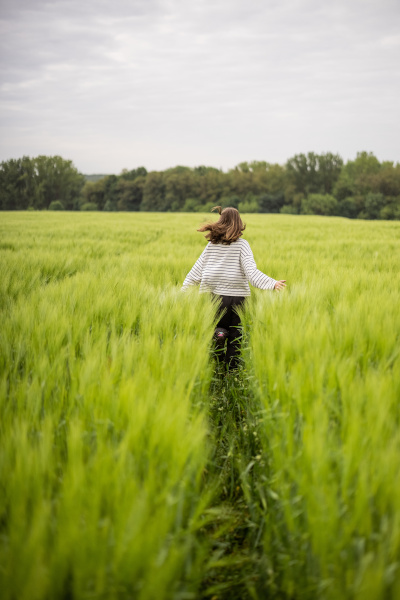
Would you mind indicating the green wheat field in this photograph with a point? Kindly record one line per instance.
(131, 469)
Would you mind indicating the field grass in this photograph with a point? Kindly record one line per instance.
(130, 469)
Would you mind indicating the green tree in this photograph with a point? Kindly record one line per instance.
(314, 173)
(94, 193)
(289, 209)
(109, 207)
(56, 205)
(359, 176)
(271, 203)
(191, 205)
(239, 181)
(154, 192)
(127, 190)
(179, 185)
(249, 206)
(133, 173)
(345, 186)
(17, 184)
(36, 182)
(56, 179)
(110, 191)
(389, 179)
(302, 172)
(89, 206)
(391, 210)
(272, 180)
(374, 203)
(129, 193)
(210, 185)
(329, 169)
(229, 201)
(348, 208)
(319, 204)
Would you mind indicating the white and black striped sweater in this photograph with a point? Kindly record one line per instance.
(227, 270)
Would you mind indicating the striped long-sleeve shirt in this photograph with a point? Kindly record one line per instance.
(227, 270)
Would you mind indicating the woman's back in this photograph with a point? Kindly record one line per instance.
(227, 269)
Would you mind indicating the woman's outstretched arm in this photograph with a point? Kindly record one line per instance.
(257, 278)
(195, 273)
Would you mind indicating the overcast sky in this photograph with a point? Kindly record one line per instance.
(113, 85)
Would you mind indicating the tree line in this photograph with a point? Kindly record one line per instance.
(320, 184)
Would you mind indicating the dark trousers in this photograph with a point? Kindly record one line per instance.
(230, 320)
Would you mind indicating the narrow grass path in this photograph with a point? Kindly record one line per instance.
(237, 569)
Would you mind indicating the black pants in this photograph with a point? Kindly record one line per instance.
(230, 321)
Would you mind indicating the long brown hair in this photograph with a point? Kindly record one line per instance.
(227, 229)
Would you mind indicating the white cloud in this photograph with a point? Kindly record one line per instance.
(113, 85)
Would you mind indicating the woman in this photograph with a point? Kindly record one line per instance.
(225, 268)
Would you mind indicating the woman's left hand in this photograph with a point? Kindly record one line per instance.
(280, 285)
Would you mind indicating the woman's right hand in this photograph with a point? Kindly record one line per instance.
(280, 285)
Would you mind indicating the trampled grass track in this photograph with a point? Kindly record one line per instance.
(129, 470)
